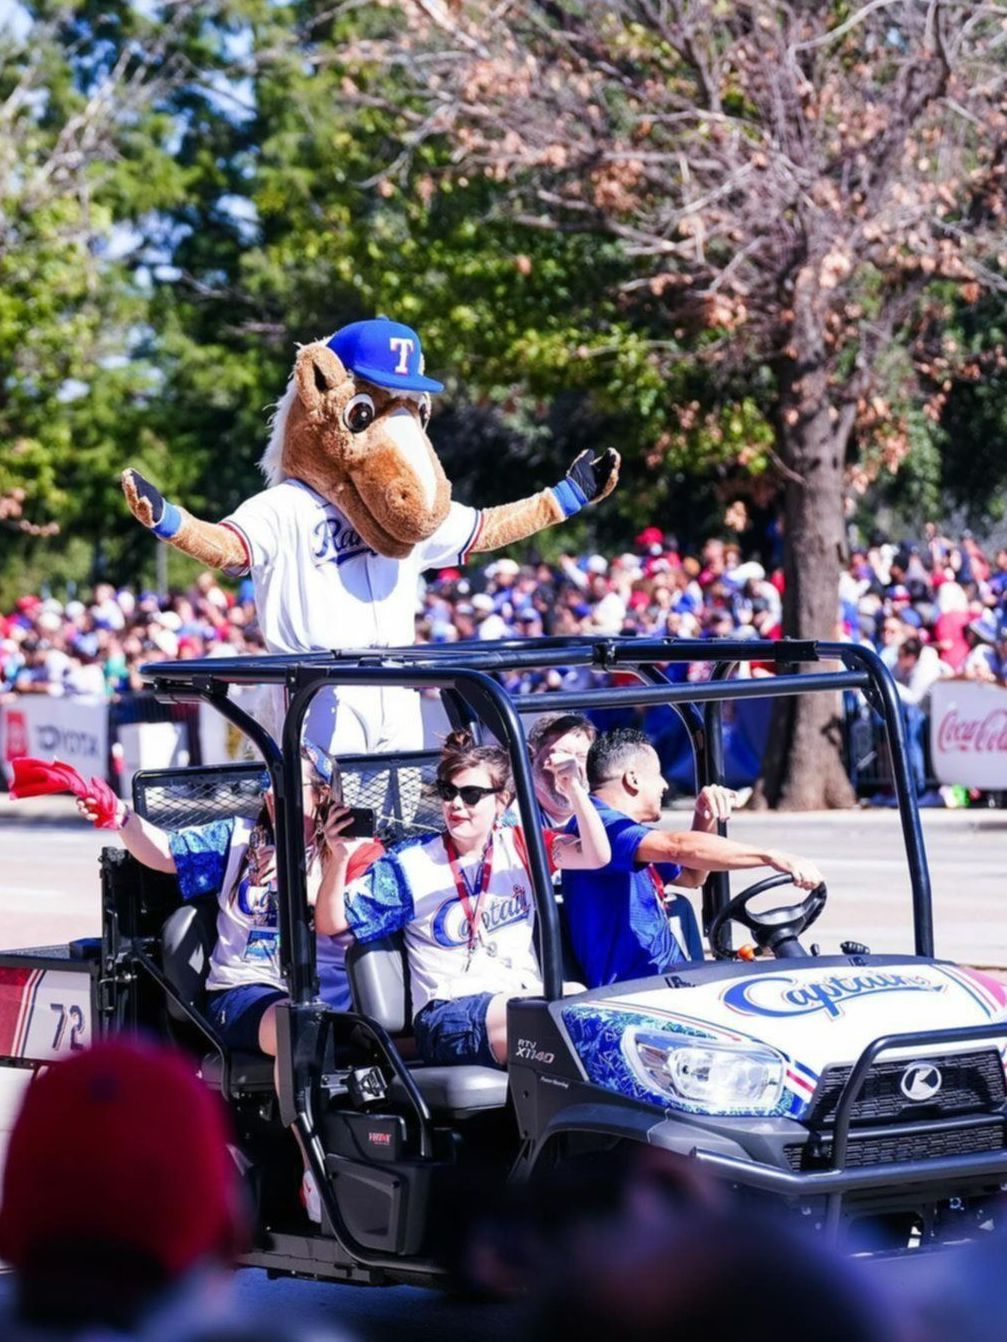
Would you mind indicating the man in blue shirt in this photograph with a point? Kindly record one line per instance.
(616, 917)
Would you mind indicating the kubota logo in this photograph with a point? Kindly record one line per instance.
(921, 1081)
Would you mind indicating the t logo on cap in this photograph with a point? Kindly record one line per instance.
(384, 352)
(405, 348)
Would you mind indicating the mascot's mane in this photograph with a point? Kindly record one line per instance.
(271, 462)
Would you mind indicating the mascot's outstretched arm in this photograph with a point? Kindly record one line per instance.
(208, 542)
(587, 481)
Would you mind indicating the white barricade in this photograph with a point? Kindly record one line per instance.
(73, 729)
(148, 745)
(968, 734)
(220, 742)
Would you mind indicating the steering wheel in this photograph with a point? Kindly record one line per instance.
(774, 930)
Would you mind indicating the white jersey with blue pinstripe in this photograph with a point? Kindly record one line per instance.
(318, 585)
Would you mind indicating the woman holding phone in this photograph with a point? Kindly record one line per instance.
(463, 900)
(236, 858)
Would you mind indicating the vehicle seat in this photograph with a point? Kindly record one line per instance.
(187, 939)
(379, 980)
(685, 926)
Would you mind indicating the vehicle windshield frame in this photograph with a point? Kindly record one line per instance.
(464, 676)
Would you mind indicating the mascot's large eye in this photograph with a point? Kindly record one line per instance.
(426, 409)
(359, 413)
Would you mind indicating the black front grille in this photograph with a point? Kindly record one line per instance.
(971, 1082)
(878, 1148)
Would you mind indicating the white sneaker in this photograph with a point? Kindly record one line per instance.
(310, 1197)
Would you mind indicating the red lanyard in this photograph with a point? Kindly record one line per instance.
(461, 885)
(658, 884)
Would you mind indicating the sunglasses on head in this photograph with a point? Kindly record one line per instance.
(469, 795)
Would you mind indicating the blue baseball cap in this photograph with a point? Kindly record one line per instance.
(385, 353)
(319, 761)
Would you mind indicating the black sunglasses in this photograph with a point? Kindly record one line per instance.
(469, 795)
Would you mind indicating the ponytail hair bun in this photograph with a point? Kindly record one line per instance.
(457, 742)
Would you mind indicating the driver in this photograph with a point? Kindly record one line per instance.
(616, 916)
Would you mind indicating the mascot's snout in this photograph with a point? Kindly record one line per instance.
(395, 489)
(402, 430)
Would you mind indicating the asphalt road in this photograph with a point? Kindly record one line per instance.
(49, 894)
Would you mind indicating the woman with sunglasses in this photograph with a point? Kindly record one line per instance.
(463, 900)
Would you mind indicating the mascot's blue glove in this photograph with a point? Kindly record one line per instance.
(587, 479)
(166, 520)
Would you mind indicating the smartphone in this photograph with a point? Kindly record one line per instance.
(363, 823)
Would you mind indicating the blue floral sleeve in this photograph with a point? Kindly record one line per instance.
(379, 903)
(200, 855)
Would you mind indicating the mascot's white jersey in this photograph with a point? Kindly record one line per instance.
(319, 586)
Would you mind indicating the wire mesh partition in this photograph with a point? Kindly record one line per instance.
(398, 788)
(177, 798)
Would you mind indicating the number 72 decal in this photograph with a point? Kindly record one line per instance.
(43, 1012)
(69, 1027)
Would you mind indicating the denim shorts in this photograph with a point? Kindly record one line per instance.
(235, 1013)
(455, 1031)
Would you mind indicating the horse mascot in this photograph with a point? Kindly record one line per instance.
(357, 506)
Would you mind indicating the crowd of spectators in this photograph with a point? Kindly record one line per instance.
(96, 647)
(932, 606)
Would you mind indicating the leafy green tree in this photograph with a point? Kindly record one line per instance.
(82, 152)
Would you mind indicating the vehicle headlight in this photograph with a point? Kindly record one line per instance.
(709, 1076)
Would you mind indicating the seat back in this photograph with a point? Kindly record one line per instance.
(187, 940)
(379, 981)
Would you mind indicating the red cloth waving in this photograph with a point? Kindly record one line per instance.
(35, 778)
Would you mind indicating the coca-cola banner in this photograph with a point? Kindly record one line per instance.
(968, 733)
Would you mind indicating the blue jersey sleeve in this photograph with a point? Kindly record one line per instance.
(625, 835)
(379, 903)
(668, 871)
(200, 855)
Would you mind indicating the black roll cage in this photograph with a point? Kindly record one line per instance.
(464, 674)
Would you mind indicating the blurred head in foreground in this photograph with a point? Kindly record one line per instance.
(119, 1189)
(711, 1272)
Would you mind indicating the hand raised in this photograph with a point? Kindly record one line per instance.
(145, 500)
(715, 803)
(567, 770)
(331, 830)
(262, 864)
(595, 477)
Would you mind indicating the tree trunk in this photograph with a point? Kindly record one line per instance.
(804, 768)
